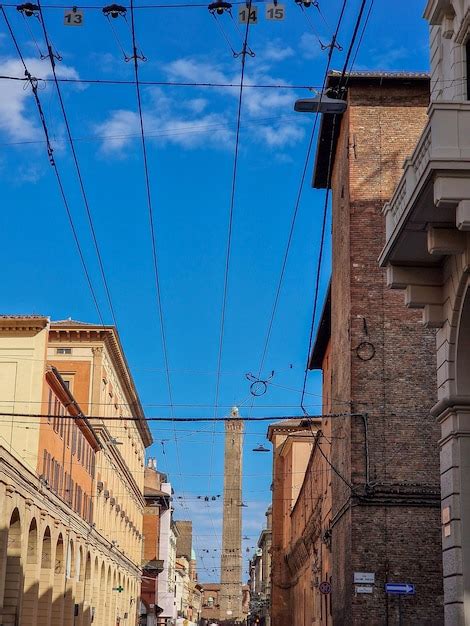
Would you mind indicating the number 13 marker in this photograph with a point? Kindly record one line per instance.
(73, 17)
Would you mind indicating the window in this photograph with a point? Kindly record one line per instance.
(56, 475)
(48, 468)
(78, 499)
(64, 351)
(49, 405)
(71, 492)
(74, 437)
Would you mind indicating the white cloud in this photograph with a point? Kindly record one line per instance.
(166, 121)
(189, 123)
(192, 70)
(276, 51)
(18, 115)
(385, 58)
(281, 135)
(309, 46)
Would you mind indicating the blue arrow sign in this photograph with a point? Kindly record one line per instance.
(400, 588)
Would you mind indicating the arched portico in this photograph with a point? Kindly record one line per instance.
(462, 350)
(13, 583)
(70, 582)
(45, 580)
(58, 590)
(31, 578)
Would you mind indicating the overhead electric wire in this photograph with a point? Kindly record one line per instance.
(243, 54)
(360, 41)
(298, 199)
(131, 6)
(180, 419)
(153, 237)
(51, 56)
(340, 90)
(161, 83)
(55, 168)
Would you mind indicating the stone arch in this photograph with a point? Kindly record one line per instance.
(462, 348)
(70, 560)
(114, 597)
(70, 578)
(101, 608)
(58, 590)
(45, 579)
(88, 588)
(14, 570)
(31, 577)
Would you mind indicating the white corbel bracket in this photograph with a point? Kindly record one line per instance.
(399, 277)
(443, 241)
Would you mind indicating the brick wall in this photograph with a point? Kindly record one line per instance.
(391, 528)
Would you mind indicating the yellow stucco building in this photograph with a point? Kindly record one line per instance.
(71, 478)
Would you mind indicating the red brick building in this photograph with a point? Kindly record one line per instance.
(386, 521)
(156, 500)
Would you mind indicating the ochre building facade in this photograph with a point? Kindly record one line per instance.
(71, 481)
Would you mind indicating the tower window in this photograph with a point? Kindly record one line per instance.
(64, 351)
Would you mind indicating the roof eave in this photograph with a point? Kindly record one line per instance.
(322, 338)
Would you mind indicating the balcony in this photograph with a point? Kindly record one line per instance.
(434, 191)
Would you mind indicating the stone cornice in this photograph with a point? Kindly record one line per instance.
(27, 324)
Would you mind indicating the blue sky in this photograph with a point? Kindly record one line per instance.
(190, 141)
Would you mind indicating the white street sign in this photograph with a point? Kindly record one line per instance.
(364, 589)
(364, 577)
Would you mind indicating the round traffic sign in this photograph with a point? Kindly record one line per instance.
(325, 587)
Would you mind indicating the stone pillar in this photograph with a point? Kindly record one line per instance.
(231, 560)
(455, 493)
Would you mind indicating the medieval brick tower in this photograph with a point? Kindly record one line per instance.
(231, 560)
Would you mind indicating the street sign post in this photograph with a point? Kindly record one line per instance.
(403, 589)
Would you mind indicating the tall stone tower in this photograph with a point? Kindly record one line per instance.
(231, 560)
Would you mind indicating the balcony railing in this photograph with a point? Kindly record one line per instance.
(444, 145)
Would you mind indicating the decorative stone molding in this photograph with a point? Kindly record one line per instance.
(10, 490)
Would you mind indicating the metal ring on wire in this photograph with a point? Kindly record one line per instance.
(258, 386)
